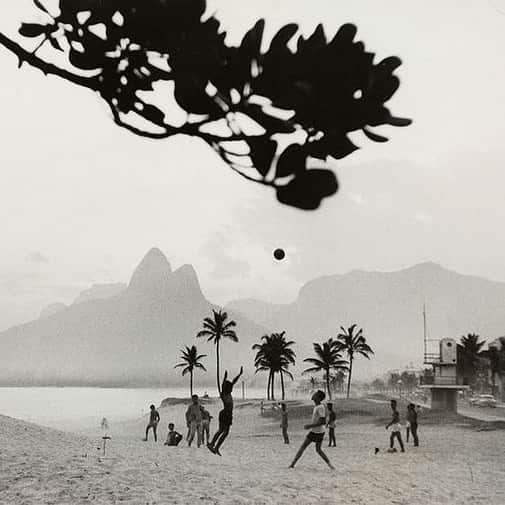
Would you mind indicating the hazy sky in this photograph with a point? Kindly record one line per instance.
(81, 201)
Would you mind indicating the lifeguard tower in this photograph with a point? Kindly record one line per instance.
(442, 356)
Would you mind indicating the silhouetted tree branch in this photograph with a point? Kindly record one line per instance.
(273, 116)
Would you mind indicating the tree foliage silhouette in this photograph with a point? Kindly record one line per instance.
(274, 354)
(353, 343)
(274, 114)
(328, 358)
(190, 361)
(215, 329)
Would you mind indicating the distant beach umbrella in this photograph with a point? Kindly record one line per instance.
(279, 254)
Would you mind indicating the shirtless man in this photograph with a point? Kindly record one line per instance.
(194, 417)
(154, 419)
(316, 427)
(396, 429)
(226, 414)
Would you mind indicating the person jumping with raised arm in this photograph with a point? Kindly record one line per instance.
(226, 414)
(316, 427)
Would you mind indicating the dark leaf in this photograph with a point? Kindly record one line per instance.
(32, 29)
(153, 114)
(54, 42)
(270, 123)
(262, 153)
(291, 161)
(399, 121)
(40, 6)
(193, 98)
(251, 43)
(85, 61)
(307, 189)
(336, 145)
(283, 36)
(374, 136)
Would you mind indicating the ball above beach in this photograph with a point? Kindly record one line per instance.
(279, 254)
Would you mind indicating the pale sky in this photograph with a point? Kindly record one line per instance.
(82, 201)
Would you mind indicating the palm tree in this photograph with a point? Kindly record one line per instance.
(353, 344)
(274, 354)
(215, 329)
(190, 360)
(327, 358)
(469, 354)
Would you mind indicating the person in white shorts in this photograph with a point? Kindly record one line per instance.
(316, 427)
(396, 429)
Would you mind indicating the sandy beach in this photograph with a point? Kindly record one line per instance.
(458, 463)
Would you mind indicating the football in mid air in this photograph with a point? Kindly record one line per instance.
(279, 254)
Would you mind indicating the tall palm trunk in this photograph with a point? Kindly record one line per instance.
(328, 382)
(349, 378)
(268, 384)
(191, 382)
(282, 385)
(273, 385)
(217, 368)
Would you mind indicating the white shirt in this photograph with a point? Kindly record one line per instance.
(318, 413)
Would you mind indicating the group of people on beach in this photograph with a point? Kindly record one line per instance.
(198, 420)
(198, 423)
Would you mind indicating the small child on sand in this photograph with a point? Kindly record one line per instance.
(284, 423)
(173, 437)
(316, 427)
(154, 419)
(226, 414)
(396, 429)
(331, 425)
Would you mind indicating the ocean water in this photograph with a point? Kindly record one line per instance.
(80, 408)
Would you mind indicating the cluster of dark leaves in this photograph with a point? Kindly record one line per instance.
(323, 88)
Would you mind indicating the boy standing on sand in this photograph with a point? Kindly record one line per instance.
(396, 428)
(284, 423)
(206, 417)
(226, 414)
(316, 427)
(194, 417)
(412, 420)
(331, 425)
(154, 419)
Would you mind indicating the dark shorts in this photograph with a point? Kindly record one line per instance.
(225, 418)
(315, 437)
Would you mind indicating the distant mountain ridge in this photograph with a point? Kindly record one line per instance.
(388, 306)
(130, 339)
(133, 337)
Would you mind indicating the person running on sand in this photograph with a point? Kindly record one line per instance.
(194, 416)
(316, 427)
(206, 418)
(331, 425)
(226, 414)
(173, 437)
(154, 419)
(284, 423)
(396, 429)
(412, 420)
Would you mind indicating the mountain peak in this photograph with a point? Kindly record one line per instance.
(152, 272)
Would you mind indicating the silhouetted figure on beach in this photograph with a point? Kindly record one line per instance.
(194, 417)
(154, 419)
(316, 427)
(284, 423)
(173, 437)
(396, 429)
(331, 425)
(412, 426)
(206, 418)
(226, 414)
